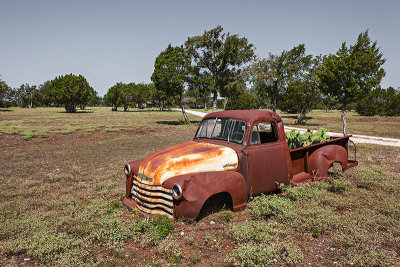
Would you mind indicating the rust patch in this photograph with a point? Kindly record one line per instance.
(189, 157)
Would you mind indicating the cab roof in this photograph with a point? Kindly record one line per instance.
(246, 115)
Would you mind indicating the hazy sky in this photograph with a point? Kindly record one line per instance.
(112, 41)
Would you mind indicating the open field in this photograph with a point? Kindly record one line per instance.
(60, 201)
(331, 120)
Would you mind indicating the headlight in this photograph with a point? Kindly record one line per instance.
(177, 192)
(127, 170)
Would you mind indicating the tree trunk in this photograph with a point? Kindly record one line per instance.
(215, 95)
(184, 112)
(301, 116)
(225, 102)
(274, 104)
(344, 120)
(31, 104)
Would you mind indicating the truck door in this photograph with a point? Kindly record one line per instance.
(266, 159)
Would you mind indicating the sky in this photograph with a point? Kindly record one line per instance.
(118, 41)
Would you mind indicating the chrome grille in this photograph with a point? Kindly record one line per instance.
(152, 199)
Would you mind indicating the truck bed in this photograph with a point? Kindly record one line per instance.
(299, 157)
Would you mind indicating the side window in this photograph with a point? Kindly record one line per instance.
(254, 139)
(267, 133)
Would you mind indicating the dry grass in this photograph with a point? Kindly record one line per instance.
(364, 125)
(60, 202)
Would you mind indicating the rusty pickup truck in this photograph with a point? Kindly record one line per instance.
(234, 155)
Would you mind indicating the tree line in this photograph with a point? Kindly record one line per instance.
(69, 91)
(218, 69)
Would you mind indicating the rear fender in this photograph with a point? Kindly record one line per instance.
(321, 159)
(198, 187)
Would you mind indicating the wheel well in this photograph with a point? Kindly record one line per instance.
(215, 203)
(335, 169)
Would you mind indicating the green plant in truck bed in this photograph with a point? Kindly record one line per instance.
(296, 139)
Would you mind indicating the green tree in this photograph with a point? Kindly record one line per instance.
(45, 91)
(69, 91)
(27, 95)
(94, 99)
(170, 73)
(372, 103)
(352, 72)
(391, 102)
(142, 94)
(272, 75)
(302, 91)
(199, 86)
(5, 94)
(157, 97)
(114, 96)
(244, 100)
(219, 56)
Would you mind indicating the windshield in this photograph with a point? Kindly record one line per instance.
(222, 129)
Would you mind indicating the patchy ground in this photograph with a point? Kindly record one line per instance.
(60, 203)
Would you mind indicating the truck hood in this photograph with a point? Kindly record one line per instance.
(188, 157)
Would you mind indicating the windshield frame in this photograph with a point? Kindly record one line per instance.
(229, 135)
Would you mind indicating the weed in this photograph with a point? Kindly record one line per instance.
(66, 131)
(154, 229)
(170, 247)
(338, 185)
(263, 254)
(111, 129)
(110, 231)
(194, 259)
(208, 238)
(76, 169)
(26, 134)
(182, 122)
(367, 177)
(268, 205)
(91, 129)
(251, 231)
(227, 216)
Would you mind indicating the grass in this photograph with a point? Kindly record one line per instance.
(60, 203)
(43, 121)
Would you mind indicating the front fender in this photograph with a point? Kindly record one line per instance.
(134, 171)
(198, 187)
(321, 159)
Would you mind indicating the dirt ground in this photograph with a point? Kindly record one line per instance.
(60, 205)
